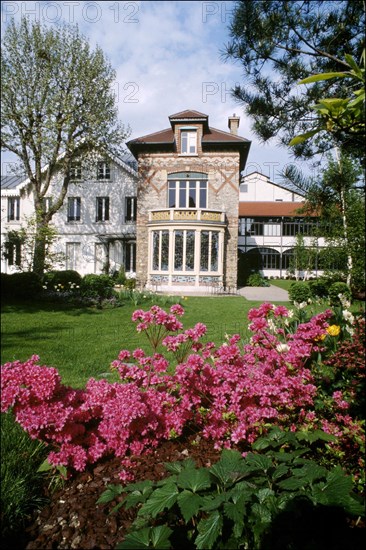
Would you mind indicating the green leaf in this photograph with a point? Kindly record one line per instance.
(136, 540)
(111, 493)
(162, 498)
(323, 76)
(292, 484)
(311, 472)
(209, 529)
(229, 468)
(317, 435)
(160, 536)
(302, 137)
(335, 490)
(195, 480)
(258, 462)
(189, 504)
(264, 494)
(236, 513)
(177, 467)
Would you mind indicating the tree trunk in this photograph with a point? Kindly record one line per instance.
(39, 255)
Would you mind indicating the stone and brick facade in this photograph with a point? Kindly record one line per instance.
(188, 204)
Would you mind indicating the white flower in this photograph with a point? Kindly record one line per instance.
(347, 316)
(350, 330)
(290, 313)
(282, 348)
(271, 325)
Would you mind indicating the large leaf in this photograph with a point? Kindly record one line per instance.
(136, 540)
(160, 536)
(229, 468)
(209, 529)
(322, 76)
(111, 492)
(258, 462)
(162, 498)
(189, 504)
(195, 480)
(177, 467)
(302, 137)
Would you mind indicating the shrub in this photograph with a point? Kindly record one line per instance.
(319, 288)
(130, 283)
(64, 278)
(256, 279)
(97, 286)
(336, 289)
(24, 285)
(120, 276)
(299, 292)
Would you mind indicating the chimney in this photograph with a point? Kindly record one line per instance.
(234, 124)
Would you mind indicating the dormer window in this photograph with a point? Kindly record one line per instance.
(188, 140)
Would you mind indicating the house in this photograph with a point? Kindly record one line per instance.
(270, 220)
(180, 222)
(95, 225)
(188, 204)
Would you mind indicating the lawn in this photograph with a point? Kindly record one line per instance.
(82, 342)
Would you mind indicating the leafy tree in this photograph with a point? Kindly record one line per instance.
(57, 100)
(278, 43)
(343, 118)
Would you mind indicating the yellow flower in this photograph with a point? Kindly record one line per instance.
(333, 330)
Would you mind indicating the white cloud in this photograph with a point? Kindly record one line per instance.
(167, 59)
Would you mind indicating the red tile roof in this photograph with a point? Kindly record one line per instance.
(183, 115)
(259, 209)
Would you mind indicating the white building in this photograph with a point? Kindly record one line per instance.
(269, 221)
(95, 226)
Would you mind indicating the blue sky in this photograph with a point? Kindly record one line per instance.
(167, 59)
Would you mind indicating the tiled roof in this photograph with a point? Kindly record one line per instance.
(183, 115)
(259, 209)
(11, 182)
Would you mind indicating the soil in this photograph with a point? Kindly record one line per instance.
(74, 520)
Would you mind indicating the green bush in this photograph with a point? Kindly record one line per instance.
(120, 276)
(339, 288)
(64, 278)
(299, 292)
(256, 279)
(319, 287)
(98, 286)
(24, 285)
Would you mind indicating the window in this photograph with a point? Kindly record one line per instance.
(75, 171)
(209, 251)
(244, 188)
(160, 260)
(73, 209)
(130, 257)
(13, 253)
(103, 170)
(13, 209)
(130, 209)
(184, 243)
(72, 255)
(188, 193)
(102, 209)
(188, 142)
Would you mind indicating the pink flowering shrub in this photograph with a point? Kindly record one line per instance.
(229, 394)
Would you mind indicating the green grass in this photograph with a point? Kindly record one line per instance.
(82, 342)
(282, 283)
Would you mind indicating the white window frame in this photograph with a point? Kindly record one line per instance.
(188, 142)
(73, 209)
(13, 209)
(72, 255)
(105, 206)
(103, 170)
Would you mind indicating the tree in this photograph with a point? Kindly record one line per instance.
(343, 118)
(57, 100)
(279, 43)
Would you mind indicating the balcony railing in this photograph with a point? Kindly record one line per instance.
(186, 215)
